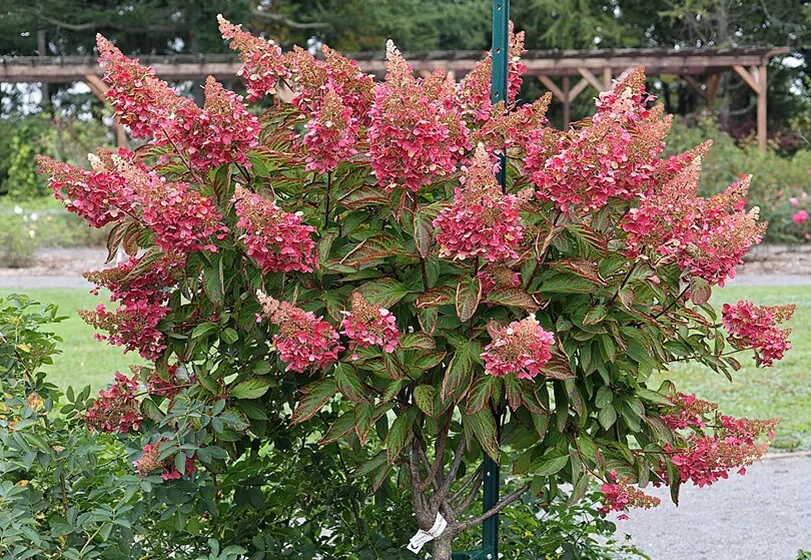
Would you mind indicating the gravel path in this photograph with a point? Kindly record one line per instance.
(765, 515)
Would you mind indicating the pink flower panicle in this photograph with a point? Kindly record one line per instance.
(151, 462)
(133, 326)
(276, 240)
(147, 105)
(722, 237)
(710, 445)
(116, 409)
(346, 78)
(414, 139)
(224, 133)
(523, 128)
(615, 158)
(366, 325)
(521, 348)
(706, 237)
(800, 217)
(140, 278)
(619, 495)
(93, 195)
(474, 89)
(305, 342)
(756, 327)
(331, 135)
(688, 412)
(262, 60)
(182, 219)
(482, 222)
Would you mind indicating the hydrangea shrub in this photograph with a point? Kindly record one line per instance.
(349, 264)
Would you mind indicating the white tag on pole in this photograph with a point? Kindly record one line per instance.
(418, 541)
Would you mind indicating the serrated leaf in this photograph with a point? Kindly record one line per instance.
(460, 369)
(423, 233)
(428, 318)
(479, 394)
(607, 417)
(427, 360)
(424, 396)
(513, 297)
(595, 315)
(372, 250)
(349, 383)
(483, 426)
(316, 394)
(584, 269)
(443, 295)
(418, 340)
(468, 296)
(385, 292)
(514, 390)
(557, 368)
(325, 245)
(250, 389)
(549, 465)
(400, 434)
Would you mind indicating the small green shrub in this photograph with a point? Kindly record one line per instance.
(18, 241)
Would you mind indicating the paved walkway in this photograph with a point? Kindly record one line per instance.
(764, 515)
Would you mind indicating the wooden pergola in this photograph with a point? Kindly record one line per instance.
(567, 73)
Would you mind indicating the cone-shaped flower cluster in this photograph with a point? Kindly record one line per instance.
(619, 495)
(521, 348)
(305, 342)
(263, 63)
(706, 237)
(482, 222)
(415, 138)
(221, 132)
(94, 195)
(366, 325)
(612, 159)
(144, 278)
(474, 89)
(133, 326)
(116, 409)
(331, 135)
(714, 444)
(756, 327)
(276, 240)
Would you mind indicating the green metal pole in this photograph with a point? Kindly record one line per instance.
(498, 92)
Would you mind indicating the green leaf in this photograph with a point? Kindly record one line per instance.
(349, 383)
(417, 340)
(605, 396)
(400, 434)
(550, 464)
(607, 416)
(652, 396)
(468, 296)
(203, 329)
(512, 297)
(229, 336)
(384, 292)
(427, 360)
(480, 393)
(250, 389)
(514, 391)
(460, 369)
(372, 250)
(424, 396)
(483, 426)
(214, 283)
(595, 315)
(325, 245)
(316, 394)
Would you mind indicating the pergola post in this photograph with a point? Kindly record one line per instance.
(99, 89)
(607, 77)
(566, 102)
(756, 80)
(761, 107)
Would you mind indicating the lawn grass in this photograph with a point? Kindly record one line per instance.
(84, 360)
(783, 391)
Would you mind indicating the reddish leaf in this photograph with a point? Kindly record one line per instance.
(700, 290)
(443, 295)
(384, 292)
(423, 233)
(513, 297)
(468, 296)
(372, 250)
(315, 395)
(557, 368)
(584, 269)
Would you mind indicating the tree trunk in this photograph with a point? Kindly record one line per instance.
(443, 547)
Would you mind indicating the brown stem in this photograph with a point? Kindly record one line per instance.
(442, 493)
(502, 503)
(672, 303)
